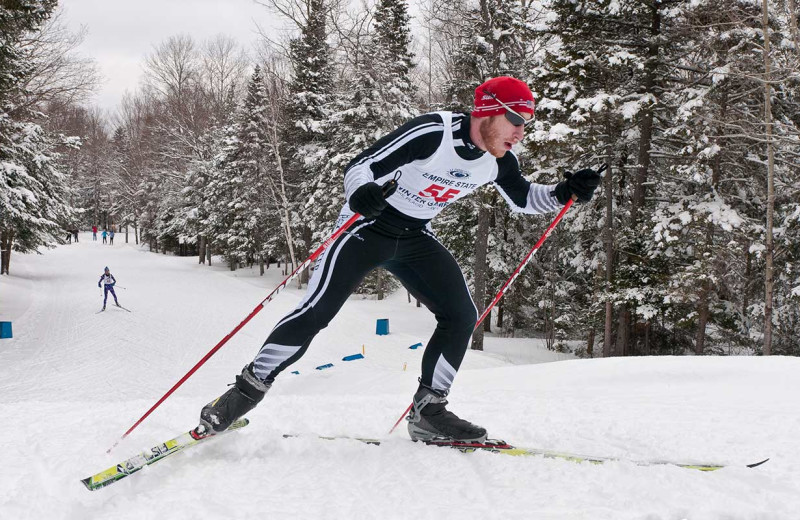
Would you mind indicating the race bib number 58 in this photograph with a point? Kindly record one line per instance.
(439, 193)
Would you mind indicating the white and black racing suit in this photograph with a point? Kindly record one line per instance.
(436, 164)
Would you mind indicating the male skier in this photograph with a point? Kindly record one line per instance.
(436, 159)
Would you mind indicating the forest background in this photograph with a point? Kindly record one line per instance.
(691, 245)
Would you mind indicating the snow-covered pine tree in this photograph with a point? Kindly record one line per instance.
(703, 213)
(245, 171)
(713, 230)
(377, 98)
(307, 130)
(33, 193)
(655, 87)
(608, 79)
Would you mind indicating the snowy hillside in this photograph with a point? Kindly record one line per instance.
(72, 381)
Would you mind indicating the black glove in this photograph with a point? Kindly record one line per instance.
(581, 184)
(368, 200)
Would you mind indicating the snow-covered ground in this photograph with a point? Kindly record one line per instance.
(72, 381)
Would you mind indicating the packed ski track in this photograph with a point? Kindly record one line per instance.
(73, 381)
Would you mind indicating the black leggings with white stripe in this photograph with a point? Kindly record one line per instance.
(417, 259)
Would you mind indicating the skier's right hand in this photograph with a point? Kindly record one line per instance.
(98, 285)
(368, 200)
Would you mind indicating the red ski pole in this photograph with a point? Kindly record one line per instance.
(508, 283)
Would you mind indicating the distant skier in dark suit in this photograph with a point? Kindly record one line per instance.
(108, 281)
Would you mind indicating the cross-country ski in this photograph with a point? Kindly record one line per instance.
(156, 453)
(504, 448)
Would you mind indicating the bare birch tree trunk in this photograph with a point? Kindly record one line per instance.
(279, 191)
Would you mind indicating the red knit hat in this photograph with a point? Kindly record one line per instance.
(511, 91)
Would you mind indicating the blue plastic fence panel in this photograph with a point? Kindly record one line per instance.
(5, 329)
(323, 367)
(382, 327)
(352, 357)
(415, 346)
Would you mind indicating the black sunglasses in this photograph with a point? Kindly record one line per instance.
(512, 115)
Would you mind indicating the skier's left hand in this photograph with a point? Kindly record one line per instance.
(581, 184)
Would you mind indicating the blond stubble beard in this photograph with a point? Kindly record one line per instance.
(489, 134)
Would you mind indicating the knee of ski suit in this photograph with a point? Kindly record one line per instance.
(459, 318)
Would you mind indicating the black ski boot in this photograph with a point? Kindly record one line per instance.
(242, 397)
(429, 419)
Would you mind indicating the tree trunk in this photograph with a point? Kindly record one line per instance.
(702, 319)
(480, 267)
(201, 255)
(623, 332)
(748, 271)
(6, 242)
(609, 240)
(643, 164)
(380, 284)
(305, 275)
(500, 314)
(703, 310)
(646, 123)
(770, 247)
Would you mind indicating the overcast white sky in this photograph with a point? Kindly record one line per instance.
(123, 32)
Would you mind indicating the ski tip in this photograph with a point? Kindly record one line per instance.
(756, 464)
